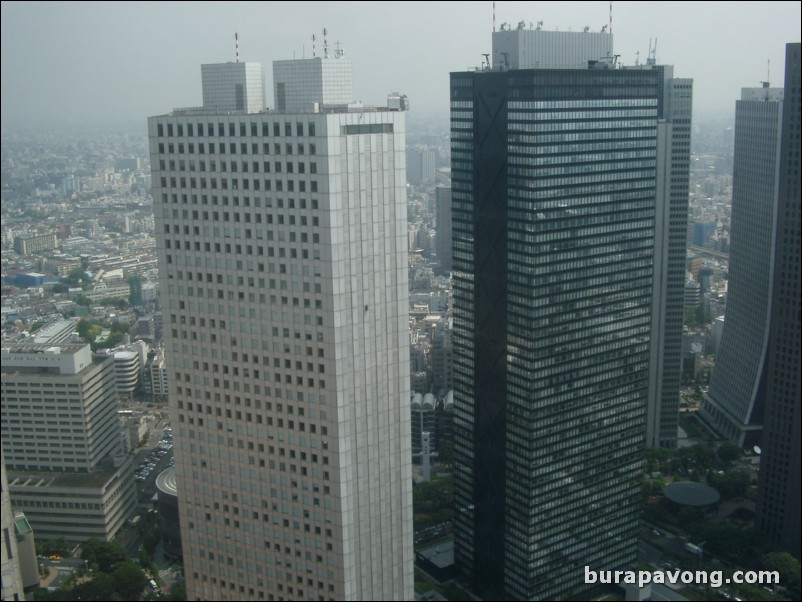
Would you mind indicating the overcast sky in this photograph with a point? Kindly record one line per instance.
(105, 62)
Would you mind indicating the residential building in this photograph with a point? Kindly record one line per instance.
(557, 160)
(779, 486)
(35, 243)
(283, 275)
(735, 400)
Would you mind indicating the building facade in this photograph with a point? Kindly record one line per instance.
(735, 400)
(779, 480)
(554, 194)
(12, 584)
(36, 243)
(282, 250)
(63, 442)
(670, 244)
(444, 238)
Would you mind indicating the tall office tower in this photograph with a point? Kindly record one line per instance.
(779, 485)
(670, 244)
(442, 195)
(282, 246)
(62, 440)
(734, 402)
(555, 186)
(421, 166)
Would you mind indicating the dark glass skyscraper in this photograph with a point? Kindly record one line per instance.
(779, 487)
(554, 193)
(734, 403)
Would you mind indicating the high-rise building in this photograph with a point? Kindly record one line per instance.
(444, 244)
(421, 166)
(283, 268)
(558, 189)
(63, 443)
(670, 244)
(735, 400)
(779, 481)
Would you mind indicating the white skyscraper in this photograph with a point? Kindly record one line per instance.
(283, 256)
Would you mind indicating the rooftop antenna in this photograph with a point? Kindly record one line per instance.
(236, 45)
(766, 83)
(637, 58)
(338, 50)
(325, 44)
(313, 46)
(494, 17)
(604, 28)
(486, 63)
(611, 16)
(540, 24)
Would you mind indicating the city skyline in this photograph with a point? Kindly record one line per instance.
(71, 61)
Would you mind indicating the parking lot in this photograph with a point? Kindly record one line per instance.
(155, 459)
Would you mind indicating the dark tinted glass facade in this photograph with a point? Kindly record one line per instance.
(734, 402)
(779, 487)
(553, 196)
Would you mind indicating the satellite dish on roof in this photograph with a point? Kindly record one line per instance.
(756, 449)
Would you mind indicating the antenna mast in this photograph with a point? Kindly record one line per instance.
(236, 45)
(325, 44)
(494, 17)
(611, 17)
(313, 46)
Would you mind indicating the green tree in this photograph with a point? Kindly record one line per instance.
(105, 554)
(75, 278)
(731, 484)
(703, 456)
(789, 570)
(58, 546)
(446, 453)
(100, 588)
(129, 580)
(728, 453)
(83, 300)
(433, 495)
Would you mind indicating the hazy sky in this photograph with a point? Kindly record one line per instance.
(104, 62)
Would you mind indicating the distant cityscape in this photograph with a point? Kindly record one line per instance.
(334, 351)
